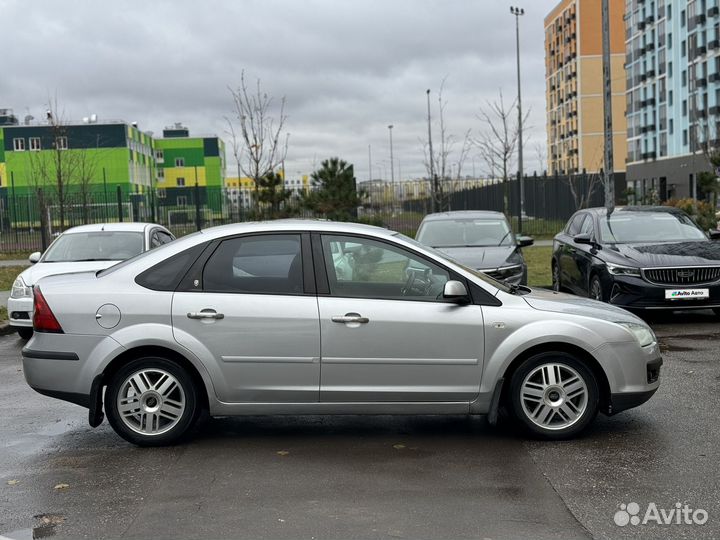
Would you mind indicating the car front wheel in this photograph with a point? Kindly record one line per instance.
(595, 290)
(554, 395)
(24, 332)
(151, 402)
(556, 277)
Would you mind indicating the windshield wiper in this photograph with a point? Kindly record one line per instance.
(503, 238)
(90, 260)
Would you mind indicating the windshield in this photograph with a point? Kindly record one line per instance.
(638, 227)
(476, 273)
(465, 233)
(95, 246)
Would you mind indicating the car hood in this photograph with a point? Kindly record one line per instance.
(481, 257)
(41, 269)
(546, 300)
(669, 254)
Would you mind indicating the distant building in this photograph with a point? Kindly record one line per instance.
(574, 86)
(673, 96)
(240, 191)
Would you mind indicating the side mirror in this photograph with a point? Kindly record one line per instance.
(525, 241)
(455, 290)
(583, 238)
(34, 257)
(714, 234)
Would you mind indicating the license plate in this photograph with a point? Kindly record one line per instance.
(686, 294)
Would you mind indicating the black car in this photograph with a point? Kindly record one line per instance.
(638, 258)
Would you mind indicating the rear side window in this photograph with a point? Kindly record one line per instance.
(264, 264)
(166, 275)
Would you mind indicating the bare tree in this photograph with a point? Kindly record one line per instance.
(582, 187)
(498, 142)
(541, 155)
(258, 143)
(87, 165)
(442, 156)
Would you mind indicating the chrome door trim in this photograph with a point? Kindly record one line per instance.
(403, 361)
(271, 359)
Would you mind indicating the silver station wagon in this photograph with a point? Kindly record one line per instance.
(313, 317)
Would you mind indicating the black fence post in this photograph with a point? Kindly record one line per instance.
(119, 204)
(198, 218)
(43, 222)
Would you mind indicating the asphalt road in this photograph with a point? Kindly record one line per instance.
(369, 477)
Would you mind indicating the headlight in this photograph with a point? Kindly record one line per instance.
(617, 270)
(20, 290)
(643, 334)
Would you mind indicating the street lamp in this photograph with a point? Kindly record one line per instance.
(433, 180)
(517, 12)
(392, 168)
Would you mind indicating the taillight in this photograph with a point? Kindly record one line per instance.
(43, 318)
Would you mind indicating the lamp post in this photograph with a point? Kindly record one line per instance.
(517, 12)
(392, 167)
(433, 180)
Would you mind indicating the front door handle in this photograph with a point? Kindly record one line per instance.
(350, 318)
(205, 314)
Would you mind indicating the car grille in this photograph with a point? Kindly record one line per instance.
(683, 276)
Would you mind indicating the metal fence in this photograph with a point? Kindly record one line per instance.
(29, 222)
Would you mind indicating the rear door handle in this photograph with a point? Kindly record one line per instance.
(350, 318)
(205, 314)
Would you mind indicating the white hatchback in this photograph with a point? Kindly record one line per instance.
(80, 249)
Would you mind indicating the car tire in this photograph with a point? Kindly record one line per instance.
(152, 401)
(556, 284)
(24, 332)
(595, 289)
(554, 395)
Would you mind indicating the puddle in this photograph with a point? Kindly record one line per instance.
(45, 528)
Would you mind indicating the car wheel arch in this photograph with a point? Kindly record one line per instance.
(161, 352)
(578, 352)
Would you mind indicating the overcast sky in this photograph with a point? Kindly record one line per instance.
(347, 68)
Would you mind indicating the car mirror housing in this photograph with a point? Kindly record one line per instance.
(456, 291)
(714, 234)
(583, 238)
(34, 257)
(525, 241)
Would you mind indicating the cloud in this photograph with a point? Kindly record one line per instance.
(347, 69)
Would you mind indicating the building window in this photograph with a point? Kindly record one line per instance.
(179, 162)
(61, 143)
(18, 145)
(684, 107)
(685, 137)
(181, 182)
(160, 173)
(670, 98)
(35, 143)
(161, 194)
(671, 126)
(181, 200)
(159, 156)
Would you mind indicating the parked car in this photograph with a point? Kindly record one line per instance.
(87, 247)
(268, 318)
(482, 240)
(638, 258)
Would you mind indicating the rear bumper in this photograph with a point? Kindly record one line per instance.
(636, 293)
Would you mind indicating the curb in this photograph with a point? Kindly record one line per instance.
(6, 329)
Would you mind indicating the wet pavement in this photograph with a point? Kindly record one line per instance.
(369, 477)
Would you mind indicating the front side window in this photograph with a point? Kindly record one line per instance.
(575, 223)
(365, 268)
(265, 264)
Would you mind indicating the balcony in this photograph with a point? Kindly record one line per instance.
(641, 25)
(650, 102)
(702, 113)
(648, 155)
(713, 44)
(648, 128)
(714, 77)
(700, 19)
(713, 11)
(701, 82)
(649, 19)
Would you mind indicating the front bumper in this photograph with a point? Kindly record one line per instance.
(636, 293)
(20, 311)
(633, 374)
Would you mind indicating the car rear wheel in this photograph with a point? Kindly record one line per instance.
(151, 402)
(554, 395)
(24, 332)
(595, 290)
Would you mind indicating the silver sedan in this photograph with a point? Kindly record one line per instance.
(312, 317)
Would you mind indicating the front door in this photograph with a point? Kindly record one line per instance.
(386, 332)
(253, 322)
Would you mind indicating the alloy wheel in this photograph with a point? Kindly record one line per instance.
(151, 401)
(555, 277)
(554, 396)
(596, 289)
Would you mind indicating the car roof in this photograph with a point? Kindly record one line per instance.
(602, 211)
(296, 225)
(464, 214)
(111, 227)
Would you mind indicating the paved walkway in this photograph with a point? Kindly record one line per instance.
(22, 262)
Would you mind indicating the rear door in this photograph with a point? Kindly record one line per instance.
(568, 251)
(251, 312)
